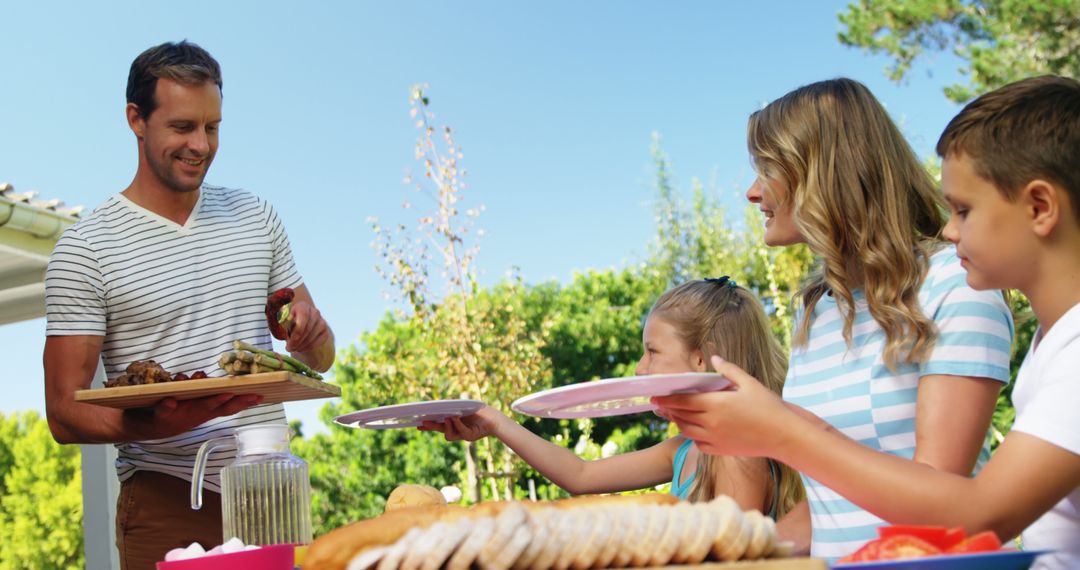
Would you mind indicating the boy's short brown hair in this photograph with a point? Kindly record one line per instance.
(1021, 132)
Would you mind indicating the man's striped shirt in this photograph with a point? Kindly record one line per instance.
(179, 295)
(851, 387)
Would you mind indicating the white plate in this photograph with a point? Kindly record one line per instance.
(408, 415)
(615, 396)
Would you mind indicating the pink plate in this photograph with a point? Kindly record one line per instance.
(615, 396)
(408, 415)
(273, 557)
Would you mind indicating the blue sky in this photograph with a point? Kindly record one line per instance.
(553, 104)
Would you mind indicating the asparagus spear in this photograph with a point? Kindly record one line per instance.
(270, 363)
(228, 358)
(299, 366)
(244, 362)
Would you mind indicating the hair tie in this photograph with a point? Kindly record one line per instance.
(722, 281)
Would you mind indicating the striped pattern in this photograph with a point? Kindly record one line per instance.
(175, 294)
(851, 388)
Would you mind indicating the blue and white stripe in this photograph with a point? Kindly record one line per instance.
(850, 386)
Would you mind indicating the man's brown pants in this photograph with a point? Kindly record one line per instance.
(154, 516)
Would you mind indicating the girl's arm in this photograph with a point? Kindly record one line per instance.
(635, 470)
(1024, 479)
(795, 527)
(952, 414)
(963, 374)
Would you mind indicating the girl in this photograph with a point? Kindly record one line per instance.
(892, 348)
(687, 325)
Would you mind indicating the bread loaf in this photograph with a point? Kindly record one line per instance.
(413, 496)
(572, 534)
(336, 548)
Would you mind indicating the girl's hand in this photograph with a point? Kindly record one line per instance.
(467, 428)
(749, 420)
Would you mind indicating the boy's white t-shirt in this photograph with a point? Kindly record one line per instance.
(1047, 399)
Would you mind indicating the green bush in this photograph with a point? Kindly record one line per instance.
(41, 501)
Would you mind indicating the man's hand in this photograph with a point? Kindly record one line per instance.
(311, 339)
(172, 417)
(309, 330)
(70, 362)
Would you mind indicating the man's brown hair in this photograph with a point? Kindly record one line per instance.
(1021, 132)
(183, 62)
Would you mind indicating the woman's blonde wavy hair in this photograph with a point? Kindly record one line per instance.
(719, 318)
(863, 203)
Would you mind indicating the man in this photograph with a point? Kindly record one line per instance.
(174, 270)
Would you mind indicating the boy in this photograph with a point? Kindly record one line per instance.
(1011, 176)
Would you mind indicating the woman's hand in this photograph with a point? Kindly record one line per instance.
(748, 420)
(467, 428)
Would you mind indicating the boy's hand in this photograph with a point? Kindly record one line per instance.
(468, 428)
(747, 420)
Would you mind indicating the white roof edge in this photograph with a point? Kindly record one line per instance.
(7, 192)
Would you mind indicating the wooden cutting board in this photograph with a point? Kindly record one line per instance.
(275, 387)
(770, 564)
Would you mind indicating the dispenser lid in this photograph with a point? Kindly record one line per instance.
(265, 438)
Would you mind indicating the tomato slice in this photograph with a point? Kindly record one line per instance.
(903, 547)
(901, 542)
(985, 541)
(939, 536)
(932, 534)
(867, 552)
(954, 536)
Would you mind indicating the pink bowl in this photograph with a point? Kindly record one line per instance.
(273, 557)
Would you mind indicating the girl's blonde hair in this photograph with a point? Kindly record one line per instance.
(862, 201)
(719, 318)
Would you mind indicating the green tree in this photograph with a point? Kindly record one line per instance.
(1025, 325)
(463, 343)
(1000, 41)
(41, 505)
